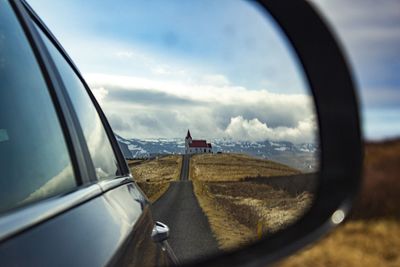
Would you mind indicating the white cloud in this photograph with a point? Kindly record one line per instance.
(145, 108)
(197, 91)
(254, 130)
(99, 93)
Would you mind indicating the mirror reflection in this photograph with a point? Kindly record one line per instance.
(221, 135)
(212, 111)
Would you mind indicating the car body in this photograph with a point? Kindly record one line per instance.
(67, 195)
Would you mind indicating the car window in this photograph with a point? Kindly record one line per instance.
(34, 159)
(103, 157)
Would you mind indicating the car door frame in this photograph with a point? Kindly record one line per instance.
(19, 222)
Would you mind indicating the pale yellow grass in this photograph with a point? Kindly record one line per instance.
(241, 212)
(165, 169)
(154, 176)
(367, 243)
(234, 167)
(228, 232)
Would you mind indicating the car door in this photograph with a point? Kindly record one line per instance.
(68, 196)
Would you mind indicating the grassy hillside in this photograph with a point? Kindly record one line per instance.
(238, 206)
(372, 235)
(241, 212)
(234, 167)
(154, 176)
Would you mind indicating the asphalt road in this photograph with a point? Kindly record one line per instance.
(185, 168)
(190, 233)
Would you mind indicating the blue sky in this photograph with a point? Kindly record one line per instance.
(212, 36)
(221, 68)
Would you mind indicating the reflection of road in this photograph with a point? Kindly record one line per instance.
(190, 233)
(185, 167)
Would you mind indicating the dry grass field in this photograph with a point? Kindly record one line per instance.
(371, 237)
(154, 176)
(234, 167)
(240, 212)
(238, 209)
(357, 243)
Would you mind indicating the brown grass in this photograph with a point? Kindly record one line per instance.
(154, 176)
(380, 194)
(238, 209)
(247, 209)
(221, 222)
(357, 243)
(372, 236)
(234, 167)
(258, 203)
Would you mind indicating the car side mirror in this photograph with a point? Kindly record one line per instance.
(339, 130)
(160, 232)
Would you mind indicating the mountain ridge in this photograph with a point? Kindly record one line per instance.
(300, 156)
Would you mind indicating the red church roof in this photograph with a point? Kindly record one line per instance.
(199, 143)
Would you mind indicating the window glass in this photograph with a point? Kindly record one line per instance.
(34, 160)
(99, 145)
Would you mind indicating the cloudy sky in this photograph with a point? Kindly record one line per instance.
(370, 34)
(220, 68)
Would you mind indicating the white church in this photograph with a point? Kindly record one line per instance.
(196, 146)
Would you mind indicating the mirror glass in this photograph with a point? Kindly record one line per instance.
(211, 109)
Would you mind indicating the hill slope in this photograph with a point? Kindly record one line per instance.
(234, 167)
(154, 176)
(233, 191)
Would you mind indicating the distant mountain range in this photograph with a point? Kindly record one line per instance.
(300, 156)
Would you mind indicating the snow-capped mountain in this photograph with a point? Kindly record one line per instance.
(300, 156)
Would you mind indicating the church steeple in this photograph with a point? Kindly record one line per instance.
(188, 135)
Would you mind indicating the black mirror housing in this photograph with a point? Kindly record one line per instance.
(340, 136)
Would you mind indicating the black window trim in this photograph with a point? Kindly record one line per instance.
(63, 107)
(122, 165)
